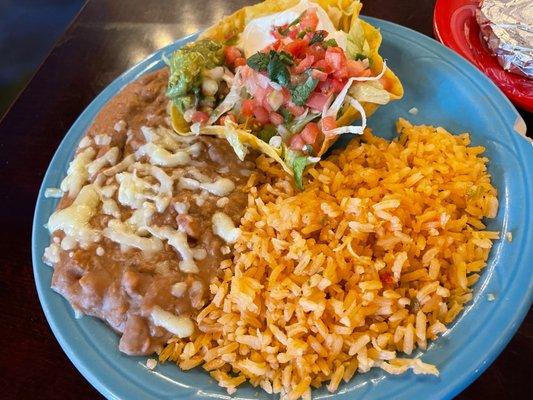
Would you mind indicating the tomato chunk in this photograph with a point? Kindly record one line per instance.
(297, 143)
(309, 21)
(335, 58)
(261, 114)
(199, 116)
(316, 101)
(304, 64)
(296, 48)
(239, 61)
(231, 53)
(354, 67)
(294, 109)
(319, 75)
(247, 107)
(328, 123)
(276, 118)
(310, 133)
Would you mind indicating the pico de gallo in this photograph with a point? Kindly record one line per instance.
(288, 94)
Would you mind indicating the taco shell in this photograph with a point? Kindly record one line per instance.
(343, 14)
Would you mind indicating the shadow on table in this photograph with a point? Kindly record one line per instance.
(28, 30)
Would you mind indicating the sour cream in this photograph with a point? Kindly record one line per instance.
(257, 34)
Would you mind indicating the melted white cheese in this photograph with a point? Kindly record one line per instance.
(77, 173)
(74, 220)
(121, 233)
(224, 227)
(256, 35)
(133, 191)
(178, 240)
(180, 326)
(109, 158)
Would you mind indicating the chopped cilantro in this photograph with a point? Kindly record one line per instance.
(277, 69)
(275, 64)
(330, 43)
(285, 58)
(287, 115)
(258, 61)
(318, 37)
(301, 92)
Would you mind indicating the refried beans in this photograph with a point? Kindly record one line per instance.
(133, 237)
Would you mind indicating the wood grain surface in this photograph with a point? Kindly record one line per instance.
(106, 38)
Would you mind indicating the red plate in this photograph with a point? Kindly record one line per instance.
(455, 26)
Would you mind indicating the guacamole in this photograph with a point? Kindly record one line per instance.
(186, 67)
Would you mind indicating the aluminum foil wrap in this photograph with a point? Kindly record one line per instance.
(507, 27)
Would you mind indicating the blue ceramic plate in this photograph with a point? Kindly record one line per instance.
(447, 91)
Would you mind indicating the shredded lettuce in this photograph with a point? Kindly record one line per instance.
(357, 44)
(299, 123)
(297, 164)
(232, 98)
(233, 139)
(370, 92)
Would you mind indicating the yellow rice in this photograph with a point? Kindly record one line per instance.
(371, 260)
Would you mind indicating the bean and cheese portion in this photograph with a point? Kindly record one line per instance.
(145, 218)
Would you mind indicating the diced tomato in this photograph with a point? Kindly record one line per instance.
(224, 118)
(354, 67)
(247, 107)
(335, 58)
(260, 94)
(231, 53)
(294, 109)
(296, 48)
(310, 133)
(293, 34)
(296, 142)
(328, 123)
(386, 83)
(309, 20)
(261, 114)
(239, 61)
(319, 75)
(316, 51)
(286, 95)
(200, 116)
(304, 64)
(337, 85)
(341, 73)
(323, 65)
(276, 119)
(316, 101)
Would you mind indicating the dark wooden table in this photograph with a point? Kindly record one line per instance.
(106, 38)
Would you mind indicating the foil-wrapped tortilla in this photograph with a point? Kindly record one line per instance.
(507, 27)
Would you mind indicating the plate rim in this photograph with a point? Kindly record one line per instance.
(149, 62)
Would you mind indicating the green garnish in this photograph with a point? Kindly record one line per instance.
(258, 61)
(301, 92)
(287, 115)
(186, 67)
(274, 63)
(360, 57)
(330, 43)
(297, 163)
(267, 132)
(318, 37)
